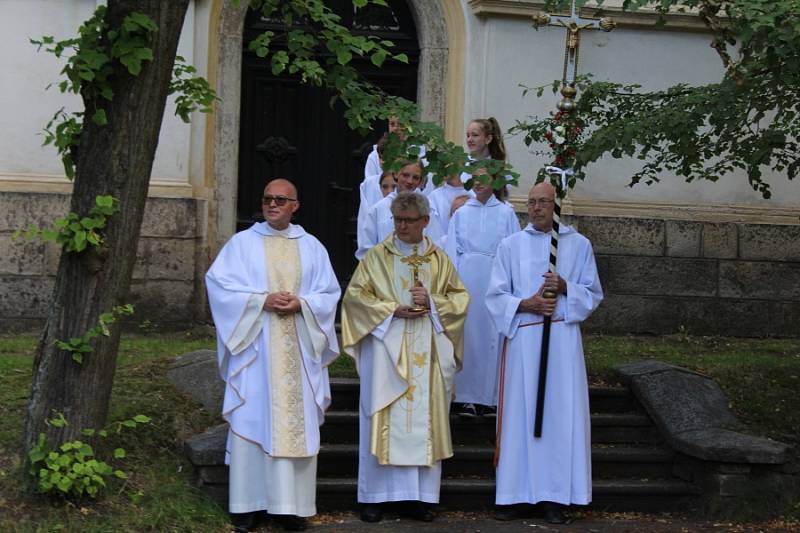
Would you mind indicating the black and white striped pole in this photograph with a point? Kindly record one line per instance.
(561, 189)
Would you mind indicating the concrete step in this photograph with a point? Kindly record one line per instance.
(474, 494)
(342, 427)
(344, 392)
(341, 460)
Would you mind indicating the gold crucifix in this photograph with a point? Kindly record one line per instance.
(573, 23)
(415, 261)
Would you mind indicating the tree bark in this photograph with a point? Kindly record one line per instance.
(116, 160)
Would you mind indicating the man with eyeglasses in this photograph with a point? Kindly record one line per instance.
(273, 296)
(378, 224)
(402, 321)
(553, 470)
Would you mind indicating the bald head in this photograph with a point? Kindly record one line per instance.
(281, 186)
(279, 203)
(541, 204)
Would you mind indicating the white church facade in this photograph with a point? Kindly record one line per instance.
(713, 258)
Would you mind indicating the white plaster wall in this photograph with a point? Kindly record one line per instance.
(504, 52)
(26, 106)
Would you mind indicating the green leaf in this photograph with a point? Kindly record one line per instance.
(142, 419)
(100, 117)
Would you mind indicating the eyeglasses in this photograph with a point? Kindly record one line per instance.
(542, 202)
(406, 220)
(280, 201)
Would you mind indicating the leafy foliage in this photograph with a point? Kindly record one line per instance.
(319, 49)
(72, 470)
(193, 92)
(749, 121)
(73, 232)
(78, 346)
(91, 60)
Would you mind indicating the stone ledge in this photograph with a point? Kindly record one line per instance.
(207, 448)
(692, 414)
(726, 446)
(196, 374)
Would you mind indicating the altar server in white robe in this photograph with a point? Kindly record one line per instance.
(554, 469)
(473, 235)
(402, 321)
(378, 223)
(441, 199)
(374, 165)
(273, 296)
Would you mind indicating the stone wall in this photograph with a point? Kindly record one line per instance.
(164, 278)
(706, 278)
(659, 276)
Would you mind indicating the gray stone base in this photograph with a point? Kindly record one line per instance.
(165, 287)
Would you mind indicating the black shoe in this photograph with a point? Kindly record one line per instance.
(552, 513)
(489, 411)
(421, 511)
(511, 512)
(466, 410)
(243, 522)
(371, 513)
(290, 522)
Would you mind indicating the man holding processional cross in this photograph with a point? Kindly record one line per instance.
(402, 321)
(544, 283)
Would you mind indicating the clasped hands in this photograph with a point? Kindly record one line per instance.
(538, 303)
(420, 298)
(282, 303)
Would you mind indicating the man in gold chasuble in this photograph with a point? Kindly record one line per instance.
(403, 323)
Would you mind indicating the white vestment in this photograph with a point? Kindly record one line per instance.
(473, 235)
(557, 466)
(369, 193)
(273, 405)
(441, 200)
(373, 164)
(378, 224)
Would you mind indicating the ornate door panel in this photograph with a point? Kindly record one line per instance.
(289, 130)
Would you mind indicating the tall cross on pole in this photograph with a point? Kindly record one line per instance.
(574, 24)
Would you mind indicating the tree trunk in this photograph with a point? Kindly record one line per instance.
(116, 160)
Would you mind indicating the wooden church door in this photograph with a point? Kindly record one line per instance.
(289, 130)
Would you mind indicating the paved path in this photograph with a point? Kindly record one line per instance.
(588, 522)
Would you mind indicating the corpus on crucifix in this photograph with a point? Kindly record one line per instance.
(574, 24)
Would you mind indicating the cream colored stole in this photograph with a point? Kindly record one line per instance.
(288, 421)
(410, 440)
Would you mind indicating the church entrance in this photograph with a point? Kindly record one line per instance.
(289, 130)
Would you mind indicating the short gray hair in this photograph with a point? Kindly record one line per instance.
(405, 201)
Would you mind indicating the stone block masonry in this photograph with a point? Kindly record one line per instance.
(660, 276)
(704, 278)
(165, 278)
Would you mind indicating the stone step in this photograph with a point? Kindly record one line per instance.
(342, 427)
(344, 392)
(475, 494)
(341, 460)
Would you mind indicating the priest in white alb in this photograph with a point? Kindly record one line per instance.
(555, 469)
(273, 296)
(402, 321)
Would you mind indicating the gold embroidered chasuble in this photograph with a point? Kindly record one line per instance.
(410, 427)
(288, 419)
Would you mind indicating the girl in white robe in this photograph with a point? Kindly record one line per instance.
(473, 235)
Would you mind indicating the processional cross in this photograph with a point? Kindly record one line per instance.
(574, 24)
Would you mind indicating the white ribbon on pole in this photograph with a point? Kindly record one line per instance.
(563, 172)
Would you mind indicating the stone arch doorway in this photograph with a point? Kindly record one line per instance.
(289, 129)
(226, 68)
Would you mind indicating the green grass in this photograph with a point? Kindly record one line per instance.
(760, 378)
